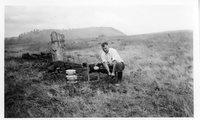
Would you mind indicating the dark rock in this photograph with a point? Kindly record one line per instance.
(41, 56)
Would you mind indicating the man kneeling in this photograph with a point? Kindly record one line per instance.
(112, 61)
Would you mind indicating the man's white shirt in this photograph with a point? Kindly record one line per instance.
(111, 56)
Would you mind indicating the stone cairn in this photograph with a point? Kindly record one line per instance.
(57, 45)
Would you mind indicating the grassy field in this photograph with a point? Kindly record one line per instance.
(157, 82)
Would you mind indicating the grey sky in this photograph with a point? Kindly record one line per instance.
(130, 19)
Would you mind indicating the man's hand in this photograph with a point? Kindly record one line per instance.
(109, 73)
(113, 74)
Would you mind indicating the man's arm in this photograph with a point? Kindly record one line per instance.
(107, 68)
(114, 66)
(115, 58)
(105, 64)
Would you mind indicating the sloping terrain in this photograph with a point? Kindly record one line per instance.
(157, 81)
(44, 35)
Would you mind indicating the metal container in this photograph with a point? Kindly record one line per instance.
(71, 82)
(70, 71)
(71, 77)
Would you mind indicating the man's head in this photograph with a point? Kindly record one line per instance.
(105, 47)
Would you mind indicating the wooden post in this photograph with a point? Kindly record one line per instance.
(57, 46)
(88, 74)
(98, 76)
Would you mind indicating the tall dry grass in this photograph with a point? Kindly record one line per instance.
(157, 82)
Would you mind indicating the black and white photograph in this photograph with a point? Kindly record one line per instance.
(99, 59)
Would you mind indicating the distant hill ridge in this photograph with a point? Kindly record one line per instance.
(36, 42)
(94, 32)
(81, 33)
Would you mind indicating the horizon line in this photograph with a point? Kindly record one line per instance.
(99, 27)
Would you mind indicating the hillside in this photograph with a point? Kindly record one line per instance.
(44, 35)
(13, 45)
(157, 80)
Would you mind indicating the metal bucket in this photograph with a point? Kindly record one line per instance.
(70, 72)
(71, 77)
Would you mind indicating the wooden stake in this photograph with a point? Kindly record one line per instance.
(98, 76)
(88, 75)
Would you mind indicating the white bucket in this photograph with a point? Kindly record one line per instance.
(71, 77)
(70, 71)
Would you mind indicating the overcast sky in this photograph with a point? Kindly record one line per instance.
(129, 19)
